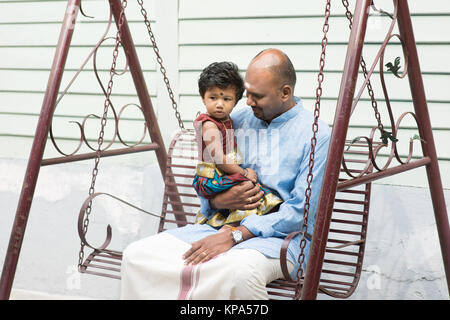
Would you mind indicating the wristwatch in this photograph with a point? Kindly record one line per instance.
(237, 235)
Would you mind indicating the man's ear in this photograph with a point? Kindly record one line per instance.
(286, 92)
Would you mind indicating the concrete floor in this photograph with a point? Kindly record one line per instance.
(20, 294)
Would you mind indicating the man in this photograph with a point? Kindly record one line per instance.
(201, 262)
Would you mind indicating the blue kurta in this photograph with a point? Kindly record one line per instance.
(279, 153)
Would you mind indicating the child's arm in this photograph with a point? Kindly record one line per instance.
(213, 140)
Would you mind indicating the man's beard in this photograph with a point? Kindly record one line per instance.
(258, 113)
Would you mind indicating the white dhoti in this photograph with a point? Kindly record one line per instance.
(153, 268)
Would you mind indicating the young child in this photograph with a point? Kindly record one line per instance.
(221, 87)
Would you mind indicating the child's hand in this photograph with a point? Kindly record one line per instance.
(251, 174)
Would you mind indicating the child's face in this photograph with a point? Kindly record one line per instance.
(219, 102)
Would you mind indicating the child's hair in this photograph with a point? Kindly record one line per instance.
(221, 75)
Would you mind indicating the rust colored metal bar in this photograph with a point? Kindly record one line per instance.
(37, 150)
(180, 212)
(426, 133)
(335, 151)
(92, 155)
(143, 94)
(184, 204)
(101, 274)
(382, 174)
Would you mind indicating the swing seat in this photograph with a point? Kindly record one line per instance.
(347, 234)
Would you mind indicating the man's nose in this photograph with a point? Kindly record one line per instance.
(250, 101)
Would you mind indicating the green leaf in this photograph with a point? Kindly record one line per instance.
(393, 139)
(353, 141)
(417, 137)
(385, 135)
(394, 68)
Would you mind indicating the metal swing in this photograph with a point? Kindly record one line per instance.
(179, 212)
(338, 242)
(345, 247)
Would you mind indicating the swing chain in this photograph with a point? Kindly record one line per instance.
(349, 16)
(107, 103)
(315, 129)
(160, 62)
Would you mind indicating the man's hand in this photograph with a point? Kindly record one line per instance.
(244, 196)
(213, 245)
(209, 247)
(252, 175)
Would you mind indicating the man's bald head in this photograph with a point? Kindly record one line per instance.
(278, 63)
(269, 83)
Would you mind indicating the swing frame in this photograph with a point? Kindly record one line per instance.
(330, 186)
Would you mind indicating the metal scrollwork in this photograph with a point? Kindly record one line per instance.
(83, 140)
(370, 142)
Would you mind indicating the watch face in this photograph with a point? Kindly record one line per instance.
(237, 236)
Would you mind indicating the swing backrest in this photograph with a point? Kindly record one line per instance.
(181, 164)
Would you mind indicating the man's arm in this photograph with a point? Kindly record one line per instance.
(211, 246)
(237, 197)
(243, 196)
(289, 217)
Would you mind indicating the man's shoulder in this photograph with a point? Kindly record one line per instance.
(307, 118)
(324, 133)
(303, 126)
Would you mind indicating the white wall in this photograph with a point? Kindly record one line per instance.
(191, 34)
